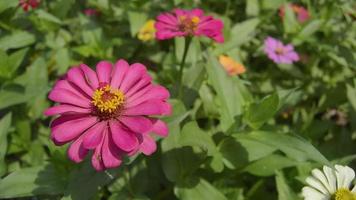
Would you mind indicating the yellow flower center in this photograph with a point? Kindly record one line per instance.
(147, 32)
(344, 194)
(188, 24)
(107, 101)
(279, 50)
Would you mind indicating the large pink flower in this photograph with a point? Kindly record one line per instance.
(188, 23)
(110, 111)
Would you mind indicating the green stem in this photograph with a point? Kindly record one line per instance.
(181, 66)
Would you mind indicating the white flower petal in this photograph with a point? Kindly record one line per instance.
(344, 176)
(330, 175)
(321, 177)
(317, 185)
(311, 194)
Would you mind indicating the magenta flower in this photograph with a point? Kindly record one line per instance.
(279, 53)
(182, 23)
(91, 12)
(111, 111)
(27, 4)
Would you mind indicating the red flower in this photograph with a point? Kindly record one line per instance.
(26, 4)
(302, 13)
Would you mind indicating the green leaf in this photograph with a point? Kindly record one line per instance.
(16, 40)
(202, 189)
(243, 30)
(309, 29)
(290, 22)
(5, 4)
(42, 180)
(10, 97)
(238, 152)
(136, 19)
(292, 145)
(252, 8)
(259, 113)
(284, 191)
(5, 123)
(192, 135)
(229, 91)
(84, 182)
(267, 165)
(41, 14)
(351, 95)
(9, 64)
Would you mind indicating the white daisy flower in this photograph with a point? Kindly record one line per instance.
(330, 184)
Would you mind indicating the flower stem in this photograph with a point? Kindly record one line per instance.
(181, 66)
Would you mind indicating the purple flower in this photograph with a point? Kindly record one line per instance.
(280, 53)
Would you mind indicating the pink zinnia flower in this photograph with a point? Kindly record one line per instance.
(26, 4)
(300, 11)
(111, 111)
(279, 53)
(91, 12)
(188, 23)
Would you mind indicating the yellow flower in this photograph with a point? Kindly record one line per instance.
(147, 31)
(231, 66)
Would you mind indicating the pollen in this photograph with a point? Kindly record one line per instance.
(107, 100)
(188, 24)
(344, 194)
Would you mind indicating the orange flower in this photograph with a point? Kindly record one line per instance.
(231, 66)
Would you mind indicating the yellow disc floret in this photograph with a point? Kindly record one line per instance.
(108, 100)
(344, 194)
(188, 24)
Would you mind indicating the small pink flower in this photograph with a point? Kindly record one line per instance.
(26, 4)
(188, 23)
(280, 53)
(91, 12)
(302, 13)
(111, 112)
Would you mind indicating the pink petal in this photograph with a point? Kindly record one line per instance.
(90, 75)
(96, 159)
(197, 12)
(156, 92)
(68, 97)
(110, 153)
(151, 107)
(65, 108)
(103, 69)
(136, 71)
(76, 152)
(76, 76)
(138, 93)
(93, 136)
(160, 128)
(119, 72)
(167, 18)
(124, 139)
(145, 80)
(138, 124)
(148, 146)
(69, 130)
(65, 84)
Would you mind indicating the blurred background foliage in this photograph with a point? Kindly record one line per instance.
(252, 136)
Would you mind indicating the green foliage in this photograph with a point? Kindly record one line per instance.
(251, 136)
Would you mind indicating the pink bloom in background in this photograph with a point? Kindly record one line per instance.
(91, 12)
(111, 112)
(26, 4)
(302, 13)
(188, 23)
(278, 52)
